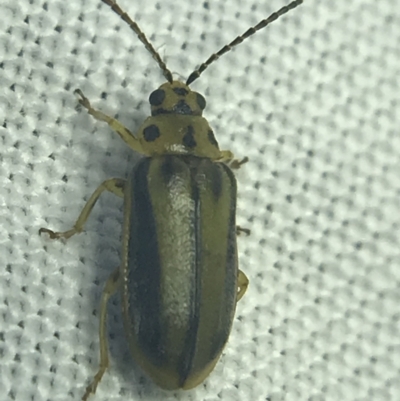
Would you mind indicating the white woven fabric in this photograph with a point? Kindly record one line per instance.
(313, 100)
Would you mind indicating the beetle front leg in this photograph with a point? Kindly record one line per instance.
(243, 283)
(122, 131)
(110, 288)
(114, 185)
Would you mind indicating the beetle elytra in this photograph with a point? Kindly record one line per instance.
(179, 275)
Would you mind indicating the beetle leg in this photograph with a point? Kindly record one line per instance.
(228, 158)
(122, 131)
(243, 283)
(236, 164)
(114, 185)
(111, 286)
(240, 230)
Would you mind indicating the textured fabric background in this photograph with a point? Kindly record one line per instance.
(313, 100)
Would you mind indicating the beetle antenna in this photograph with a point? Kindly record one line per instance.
(142, 37)
(251, 31)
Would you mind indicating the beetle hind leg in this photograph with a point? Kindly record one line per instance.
(114, 185)
(110, 288)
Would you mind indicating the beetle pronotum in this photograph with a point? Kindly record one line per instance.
(179, 275)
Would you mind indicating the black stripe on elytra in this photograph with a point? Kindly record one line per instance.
(229, 302)
(189, 348)
(216, 179)
(143, 277)
(168, 168)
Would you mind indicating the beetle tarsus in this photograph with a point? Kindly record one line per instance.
(83, 100)
(58, 235)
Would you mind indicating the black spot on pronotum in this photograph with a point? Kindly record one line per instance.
(182, 108)
(151, 133)
(201, 101)
(157, 97)
(181, 91)
(211, 138)
(188, 139)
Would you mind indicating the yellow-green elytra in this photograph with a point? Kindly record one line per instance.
(179, 275)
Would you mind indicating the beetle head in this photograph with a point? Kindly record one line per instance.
(176, 98)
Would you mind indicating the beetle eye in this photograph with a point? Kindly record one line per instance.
(201, 101)
(157, 97)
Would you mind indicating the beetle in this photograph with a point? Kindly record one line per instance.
(179, 275)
